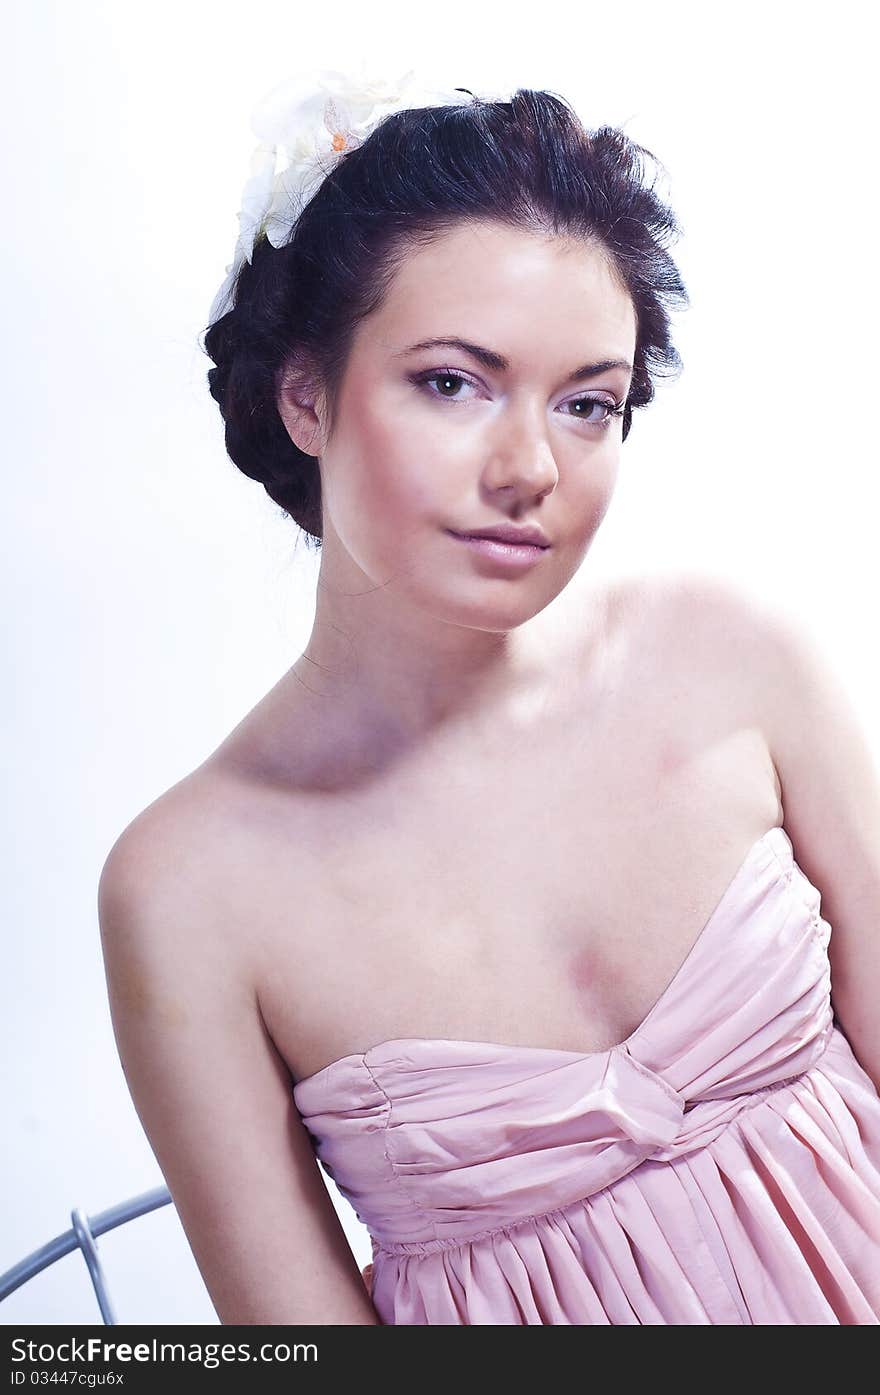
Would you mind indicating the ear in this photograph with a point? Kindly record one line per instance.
(300, 407)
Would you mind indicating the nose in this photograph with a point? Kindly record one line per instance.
(520, 457)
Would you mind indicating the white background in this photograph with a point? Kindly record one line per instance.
(153, 594)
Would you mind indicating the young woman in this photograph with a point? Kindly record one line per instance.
(490, 906)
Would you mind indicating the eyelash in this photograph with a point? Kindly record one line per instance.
(612, 410)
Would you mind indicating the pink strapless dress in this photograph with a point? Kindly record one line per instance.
(722, 1165)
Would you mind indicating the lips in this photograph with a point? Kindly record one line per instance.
(517, 537)
(504, 538)
(496, 552)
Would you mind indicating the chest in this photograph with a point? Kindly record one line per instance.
(541, 891)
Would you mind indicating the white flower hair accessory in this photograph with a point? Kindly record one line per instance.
(305, 126)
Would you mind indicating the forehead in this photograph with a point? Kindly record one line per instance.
(496, 284)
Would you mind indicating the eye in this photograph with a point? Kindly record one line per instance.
(611, 409)
(441, 376)
(589, 406)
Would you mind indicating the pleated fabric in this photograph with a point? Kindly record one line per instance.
(722, 1165)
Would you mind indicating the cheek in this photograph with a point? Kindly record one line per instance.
(380, 489)
(396, 469)
(589, 484)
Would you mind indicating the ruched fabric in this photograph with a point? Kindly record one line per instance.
(722, 1165)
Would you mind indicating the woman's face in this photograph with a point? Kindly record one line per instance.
(429, 442)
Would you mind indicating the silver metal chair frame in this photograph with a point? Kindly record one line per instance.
(83, 1235)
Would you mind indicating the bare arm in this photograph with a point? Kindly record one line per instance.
(829, 778)
(831, 792)
(213, 1094)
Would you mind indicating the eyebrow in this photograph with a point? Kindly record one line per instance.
(499, 364)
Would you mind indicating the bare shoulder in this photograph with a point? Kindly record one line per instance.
(168, 894)
(712, 641)
(744, 632)
(708, 615)
(197, 872)
(690, 595)
(170, 868)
